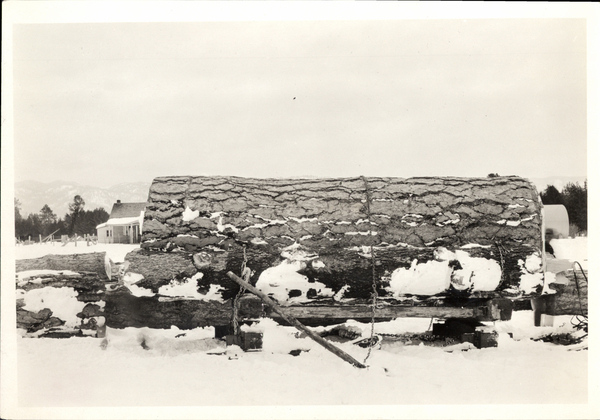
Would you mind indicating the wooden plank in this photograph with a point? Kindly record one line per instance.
(491, 310)
(387, 312)
(293, 321)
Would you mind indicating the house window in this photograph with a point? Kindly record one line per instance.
(107, 233)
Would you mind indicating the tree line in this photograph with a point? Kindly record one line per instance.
(574, 198)
(77, 221)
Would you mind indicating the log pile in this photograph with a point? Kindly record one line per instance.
(435, 241)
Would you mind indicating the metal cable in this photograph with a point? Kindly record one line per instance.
(245, 274)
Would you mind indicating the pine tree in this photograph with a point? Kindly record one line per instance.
(18, 216)
(75, 208)
(551, 196)
(575, 200)
(47, 219)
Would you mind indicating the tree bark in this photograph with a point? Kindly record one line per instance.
(318, 213)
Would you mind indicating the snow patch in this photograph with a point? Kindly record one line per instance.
(531, 274)
(188, 215)
(436, 276)
(129, 280)
(25, 275)
(533, 263)
(303, 219)
(318, 264)
(221, 227)
(62, 301)
(296, 252)
(372, 233)
(480, 274)
(278, 281)
(467, 246)
(188, 288)
(340, 293)
(529, 282)
(428, 278)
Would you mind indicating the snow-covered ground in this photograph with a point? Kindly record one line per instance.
(76, 378)
(181, 371)
(115, 252)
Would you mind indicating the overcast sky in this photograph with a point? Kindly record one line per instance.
(106, 103)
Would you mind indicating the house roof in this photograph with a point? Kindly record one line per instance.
(120, 210)
(121, 221)
(125, 214)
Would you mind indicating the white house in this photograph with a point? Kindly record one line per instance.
(124, 225)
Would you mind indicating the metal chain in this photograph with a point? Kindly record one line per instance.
(374, 294)
(499, 246)
(246, 274)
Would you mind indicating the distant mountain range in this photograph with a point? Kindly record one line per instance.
(58, 194)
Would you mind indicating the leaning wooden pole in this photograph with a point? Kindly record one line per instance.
(293, 321)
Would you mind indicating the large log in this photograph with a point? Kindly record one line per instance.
(123, 309)
(316, 212)
(91, 263)
(325, 229)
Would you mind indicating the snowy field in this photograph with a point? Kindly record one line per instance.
(181, 371)
(77, 378)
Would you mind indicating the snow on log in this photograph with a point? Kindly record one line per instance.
(434, 239)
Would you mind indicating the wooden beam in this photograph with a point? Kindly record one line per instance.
(491, 310)
(385, 312)
(293, 321)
